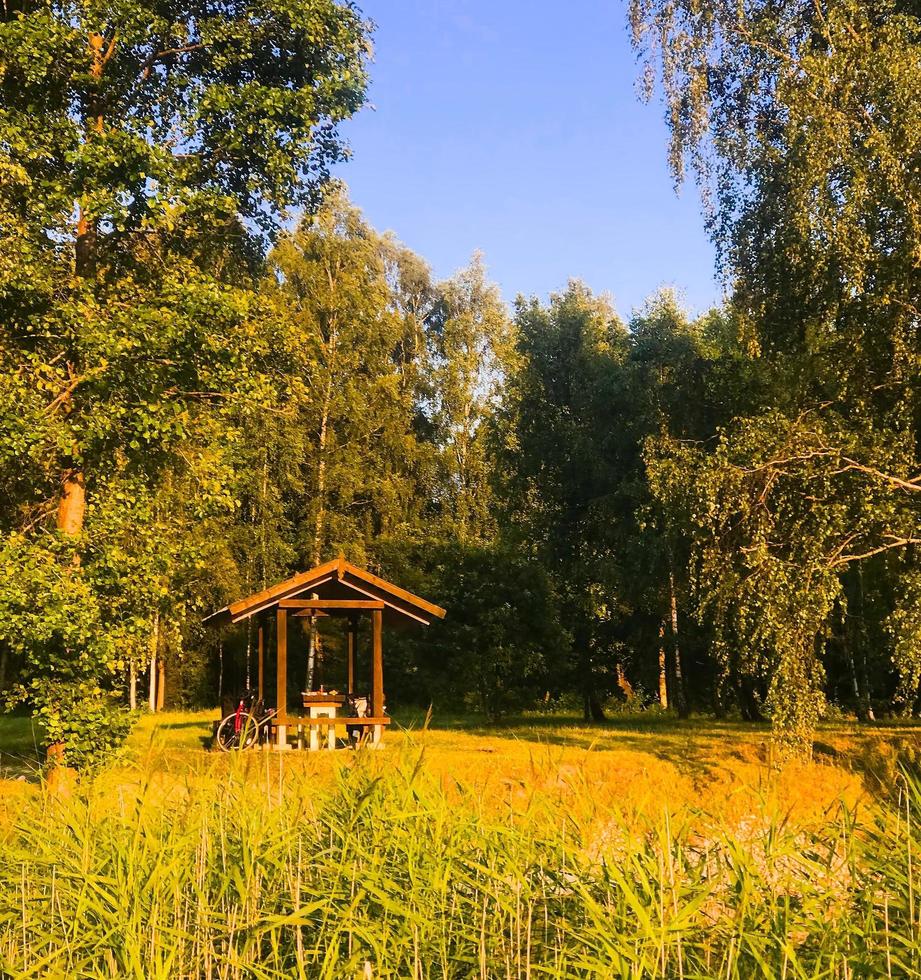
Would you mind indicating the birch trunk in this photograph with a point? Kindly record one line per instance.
(161, 684)
(312, 642)
(154, 646)
(679, 695)
(663, 669)
(867, 700)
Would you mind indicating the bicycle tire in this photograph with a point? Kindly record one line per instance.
(230, 738)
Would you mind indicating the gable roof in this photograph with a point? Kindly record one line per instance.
(338, 579)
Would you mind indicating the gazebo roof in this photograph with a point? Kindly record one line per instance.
(340, 581)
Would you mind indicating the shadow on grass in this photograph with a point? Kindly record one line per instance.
(20, 752)
(698, 747)
(177, 725)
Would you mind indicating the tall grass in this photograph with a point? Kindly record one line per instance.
(254, 871)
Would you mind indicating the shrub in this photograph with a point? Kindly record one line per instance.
(88, 722)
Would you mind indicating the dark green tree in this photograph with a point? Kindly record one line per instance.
(556, 475)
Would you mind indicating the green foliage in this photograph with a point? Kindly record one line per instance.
(347, 363)
(49, 617)
(134, 109)
(91, 724)
(586, 399)
(801, 121)
(141, 147)
(722, 509)
(471, 352)
(904, 628)
(500, 644)
(556, 438)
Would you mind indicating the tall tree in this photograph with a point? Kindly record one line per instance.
(471, 348)
(557, 469)
(801, 119)
(349, 376)
(141, 146)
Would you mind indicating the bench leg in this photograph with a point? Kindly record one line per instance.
(281, 737)
(331, 736)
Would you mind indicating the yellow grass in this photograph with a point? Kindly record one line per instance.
(711, 772)
(646, 847)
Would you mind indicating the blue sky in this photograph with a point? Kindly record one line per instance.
(514, 127)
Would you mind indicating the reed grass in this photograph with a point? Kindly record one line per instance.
(261, 870)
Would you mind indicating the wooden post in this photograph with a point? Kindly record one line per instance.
(282, 678)
(353, 629)
(261, 648)
(377, 664)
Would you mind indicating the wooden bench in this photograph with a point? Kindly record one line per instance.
(373, 725)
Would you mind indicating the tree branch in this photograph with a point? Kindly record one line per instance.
(894, 542)
(166, 53)
(913, 484)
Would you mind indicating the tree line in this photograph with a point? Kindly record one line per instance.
(214, 372)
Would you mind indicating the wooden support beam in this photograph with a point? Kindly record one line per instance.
(345, 604)
(281, 676)
(260, 643)
(373, 593)
(377, 663)
(353, 629)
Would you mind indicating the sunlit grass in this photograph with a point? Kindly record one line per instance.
(530, 850)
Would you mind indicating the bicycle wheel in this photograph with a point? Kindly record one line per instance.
(237, 732)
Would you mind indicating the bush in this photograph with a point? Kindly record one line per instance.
(87, 721)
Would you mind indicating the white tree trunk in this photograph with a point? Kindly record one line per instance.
(154, 646)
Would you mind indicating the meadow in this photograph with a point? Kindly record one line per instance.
(646, 847)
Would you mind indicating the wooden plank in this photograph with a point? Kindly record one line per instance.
(281, 676)
(303, 582)
(321, 699)
(353, 629)
(394, 590)
(397, 605)
(261, 648)
(283, 588)
(377, 663)
(345, 604)
(248, 611)
(340, 721)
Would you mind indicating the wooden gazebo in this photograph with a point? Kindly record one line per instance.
(336, 588)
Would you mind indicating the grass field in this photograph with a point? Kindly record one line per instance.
(646, 847)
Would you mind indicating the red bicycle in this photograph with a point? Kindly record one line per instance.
(244, 727)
